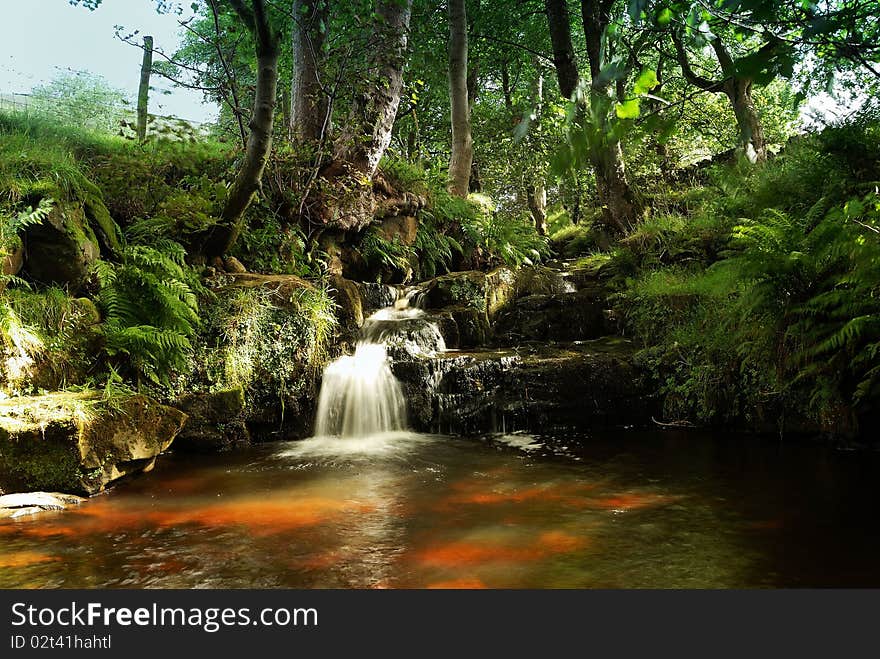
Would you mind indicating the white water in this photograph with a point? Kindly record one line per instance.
(359, 394)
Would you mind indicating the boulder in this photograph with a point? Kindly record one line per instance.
(283, 286)
(467, 288)
(11, 261)
(233, 265)
(31, 503)
(463, 327)
(564, 317)
(61, 249)
(215, 421)
(75, 443)
(376, 296)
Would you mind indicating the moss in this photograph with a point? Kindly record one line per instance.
(40, 461)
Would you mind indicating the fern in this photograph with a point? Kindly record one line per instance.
(151, 309)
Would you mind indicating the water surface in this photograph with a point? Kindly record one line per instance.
(622, 510)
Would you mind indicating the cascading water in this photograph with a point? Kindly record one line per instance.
(360, 395)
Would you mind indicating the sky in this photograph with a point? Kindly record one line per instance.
(41, 38)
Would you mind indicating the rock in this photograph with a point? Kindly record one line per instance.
(540, 280)
(11, 261)
(467, 288)
(593, 384)
(554, 318)
(284, 286)
(87, 312)
(402, 228)
(217, 264)
(216, 421)
(376, 296)
(347, 296)
(31, 503)
(61, 249)
(500, 291)
(463, 327)
(233, 266)
(106, 230)
(72, 443)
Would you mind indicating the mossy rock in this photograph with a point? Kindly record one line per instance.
(216, 420)
(62, 249)
(467, 288)
(347, 296)
(73, 443)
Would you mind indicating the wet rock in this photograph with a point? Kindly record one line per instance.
(592, 384)
(350, 311)
(376, 296)
(216, 421)
(463, 327)
(406, 334)
(564, 317)
(32, 503)
(75, 444)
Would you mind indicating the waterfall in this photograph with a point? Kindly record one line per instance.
(359, 394)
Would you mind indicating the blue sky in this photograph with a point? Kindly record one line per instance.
(40, 38)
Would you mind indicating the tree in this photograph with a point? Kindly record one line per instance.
(248, 179)
(620, 208)
(736, 84)
(367, 132)
(309, 101)
(462, 143)
(81, 99)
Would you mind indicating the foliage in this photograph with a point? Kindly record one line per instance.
(150, 309)
(269, 343)
(785, 316)
(81, 99)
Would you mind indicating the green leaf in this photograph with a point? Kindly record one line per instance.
(664, 18)
(628, 109)
(646, 81)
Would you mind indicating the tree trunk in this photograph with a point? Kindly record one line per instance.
(536, 193)
(249, 176)
(620, 209)
(536, 196)
(368, 130)
(144, 89)
(308, 103)
(563, 51)
(462, 144)
(737, 89)
(751, 133)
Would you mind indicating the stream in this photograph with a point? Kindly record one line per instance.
(656, 509)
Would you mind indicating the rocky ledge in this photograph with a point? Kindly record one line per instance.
(577, 385)
(77, 443)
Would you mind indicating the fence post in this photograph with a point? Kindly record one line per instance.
(144, 89)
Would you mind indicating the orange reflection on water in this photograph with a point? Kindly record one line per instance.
(25, 558)
(474, 492)
(454, 554)
(259, 515)
(631, 501)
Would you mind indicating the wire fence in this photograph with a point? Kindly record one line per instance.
(118, 119)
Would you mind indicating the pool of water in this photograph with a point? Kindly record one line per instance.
(624, 510)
